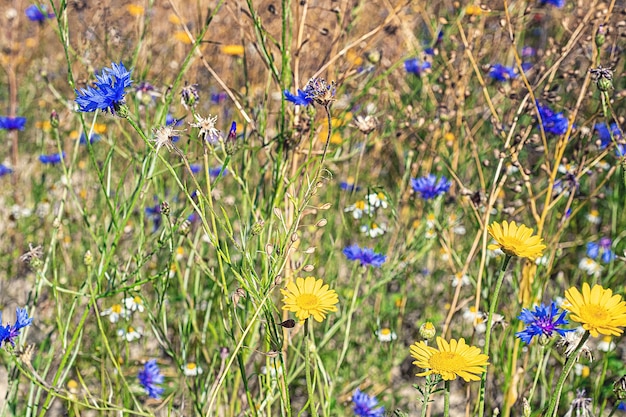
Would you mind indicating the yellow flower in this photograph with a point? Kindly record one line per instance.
(135, 10)
(450, 360)
(234, 50)
(516, 240)
(309, 297)
(597, 309)
(473, 10)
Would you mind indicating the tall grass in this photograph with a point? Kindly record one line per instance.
(127, 251)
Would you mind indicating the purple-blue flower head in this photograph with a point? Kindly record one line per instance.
(9, 333)
(92, 139)
(4, 170)
(501, 73)
(554, 123)
(38, 13)
(544, 321)
(366, 256)
(601, 249)
(555, 3)
(605, 134)
(52, 159)
(149, 377)
(430, 187)
(301, 99)
(413, 66)
(109, 91)
(12, 123)
(365, 406)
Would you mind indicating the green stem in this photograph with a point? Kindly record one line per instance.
(492, 308)
(446, 399)
(542, 360)
(307, 362)
(553, 406)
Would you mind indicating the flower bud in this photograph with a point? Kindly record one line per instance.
(165, 208)
(88, 258)
(604, 84)
(257, 228)
(619, 388)
(427, 330)
(600, 36)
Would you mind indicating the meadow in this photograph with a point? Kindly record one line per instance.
(313, 208)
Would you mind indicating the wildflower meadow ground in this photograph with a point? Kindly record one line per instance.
(313, 208)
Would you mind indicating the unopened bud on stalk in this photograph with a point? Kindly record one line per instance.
(165, 208)
(427, 330)
(600, 36)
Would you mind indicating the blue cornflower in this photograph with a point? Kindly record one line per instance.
(12, 123)
(601, 249)
(109, 92)
(366, 256)
(554, 123)
(217, 171)
(4, 170)
(52, 159)
(149, 377)
(364, 405)
(154, 214)
(501, 73)
(542, 322)
(92, 139)
(605, 135)
(9, 333)
(429, 187)
(413, 66)
(301, 99)
(349, 185)
(38, 13)
(556, 3)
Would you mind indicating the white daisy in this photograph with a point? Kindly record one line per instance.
(590, 266)
(134, 304)
(191, 369)
(115, 312)
(386, 335)
(129, 333)
(377, 200)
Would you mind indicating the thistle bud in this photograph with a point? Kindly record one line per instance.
(185, 227)
(257, 228)
(619, 388)
(165, 208)
(54, 119)
(604, 84)
(600, 36)
(189, 96)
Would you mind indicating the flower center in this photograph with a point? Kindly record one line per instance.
(307, 301)
(594, 314)
(447, 362)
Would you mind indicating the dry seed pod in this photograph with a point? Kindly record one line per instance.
(294, 237)
(310, 250)
(308, 268)
(321, 223)
(278, 280)
(269, 249)
(325, 206)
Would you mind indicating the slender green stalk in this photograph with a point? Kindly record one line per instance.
(446, 399)
(310, 386)
(545, 353)
(492, 308)
(553, 405)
